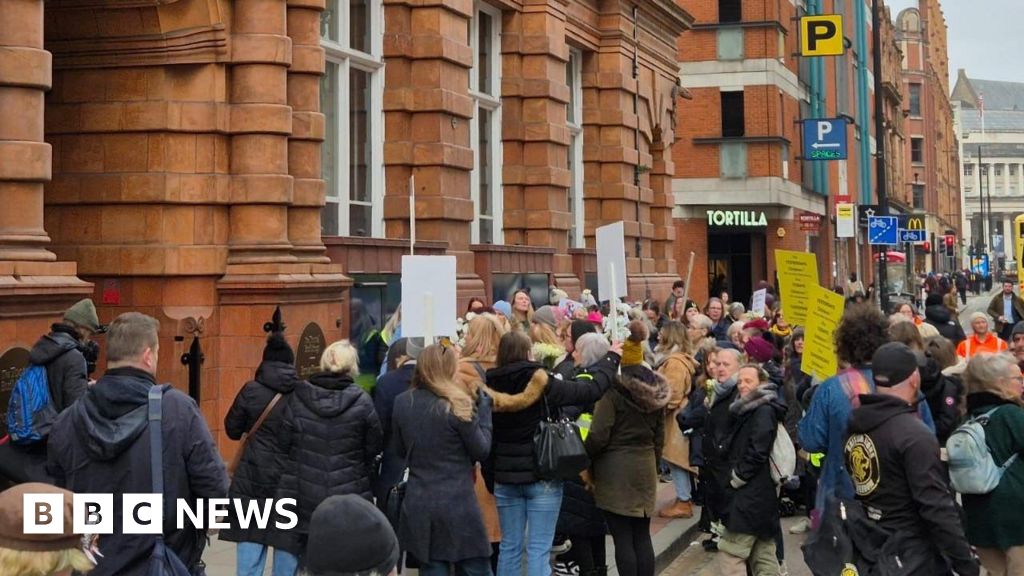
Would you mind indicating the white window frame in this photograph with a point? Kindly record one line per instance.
(491, 103)
(576, 204)
(339, 52)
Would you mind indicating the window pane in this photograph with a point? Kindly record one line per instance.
(732, 113)
(733, 158)
(329, 219)
(915, 99)
(486, 231)
(329, 21)
(730, 43)
(918, 196)
(359, 219)
(483, 52)
(359, 25)
(329, 106)
(359, 135)
(484, 168)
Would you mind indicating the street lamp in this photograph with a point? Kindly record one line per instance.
(883, 201)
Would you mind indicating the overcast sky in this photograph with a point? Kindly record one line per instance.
(984, 37)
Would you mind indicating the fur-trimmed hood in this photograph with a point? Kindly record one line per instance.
(516, 386)
(763, 394)
(647, 390)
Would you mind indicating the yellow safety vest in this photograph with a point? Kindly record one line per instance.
(584, 423)
(815, 459)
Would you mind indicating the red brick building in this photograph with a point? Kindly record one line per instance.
(204, 161)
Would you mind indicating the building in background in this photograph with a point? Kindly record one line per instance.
(990, 118)
(930, 152)
(204, 161)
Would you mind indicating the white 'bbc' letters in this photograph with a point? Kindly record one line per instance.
(42, 514)
(93, 513)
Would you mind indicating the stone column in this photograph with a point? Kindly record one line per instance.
(25, 159)
(307, 130)
(535, 96)
(427, 113)
(261, 122)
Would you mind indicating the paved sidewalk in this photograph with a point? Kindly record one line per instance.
(670, 539)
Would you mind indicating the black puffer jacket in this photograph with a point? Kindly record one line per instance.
(517, 390)
(259, 471)
(333, 436)
(66, 373)
(750, 503)
(101, 445)
(939, 316)
(943, 394)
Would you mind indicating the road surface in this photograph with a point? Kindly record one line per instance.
(694, 561)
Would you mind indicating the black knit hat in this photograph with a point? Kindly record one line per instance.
(579, 328)
(349, 535)
(277, 349)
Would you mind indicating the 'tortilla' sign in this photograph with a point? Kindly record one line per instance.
(741, 218)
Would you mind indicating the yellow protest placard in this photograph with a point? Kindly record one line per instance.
(798, 274)
(824, 313)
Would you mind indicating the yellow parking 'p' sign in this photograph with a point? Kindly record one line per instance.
(821, 35)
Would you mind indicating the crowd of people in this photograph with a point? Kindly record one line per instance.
(436, 460)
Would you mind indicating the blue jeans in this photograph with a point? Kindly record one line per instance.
(467, 567)
(252, 556)
(681, 480)
(528, 513)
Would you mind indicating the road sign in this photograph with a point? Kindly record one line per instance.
(821, 35)
(825, 139)
(912, 235)
(883, 230)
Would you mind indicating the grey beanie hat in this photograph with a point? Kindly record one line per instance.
(545, 315)
(413, 347)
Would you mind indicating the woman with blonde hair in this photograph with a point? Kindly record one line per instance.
(522, 310)
(39, 554)
(479, 355)
(332, 437)
(674, 361)
(993, 523)
(444, 432)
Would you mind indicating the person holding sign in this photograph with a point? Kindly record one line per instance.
(862, 330)
(525, 393)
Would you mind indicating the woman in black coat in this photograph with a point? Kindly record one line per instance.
(442, 431)
(524, 393)
(751, 512)
(261, 465)
(333, 437)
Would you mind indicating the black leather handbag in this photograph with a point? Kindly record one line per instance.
(558, 448)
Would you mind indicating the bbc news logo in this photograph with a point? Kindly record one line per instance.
(144, 513)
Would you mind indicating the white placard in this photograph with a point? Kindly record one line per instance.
(846, 219)
(757, 303)
(428, 296)
(611, 256)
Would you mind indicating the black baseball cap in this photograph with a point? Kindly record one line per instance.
(892, 364)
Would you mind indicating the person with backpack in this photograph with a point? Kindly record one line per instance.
(102, 444)
(256, 418)
(993, 521)
(893, 462)
(58, 372)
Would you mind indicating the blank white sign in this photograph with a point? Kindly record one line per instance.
(428, 296)
(611, 249)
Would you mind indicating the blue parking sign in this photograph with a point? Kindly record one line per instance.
(825, 139)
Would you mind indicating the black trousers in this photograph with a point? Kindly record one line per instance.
(634, 551)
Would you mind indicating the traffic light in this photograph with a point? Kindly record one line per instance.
(950, 245)
(927, 247)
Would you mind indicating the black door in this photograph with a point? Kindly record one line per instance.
(729, 255)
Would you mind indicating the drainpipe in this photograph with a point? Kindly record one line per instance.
(863, 110)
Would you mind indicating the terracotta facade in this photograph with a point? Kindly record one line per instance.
(167, 156)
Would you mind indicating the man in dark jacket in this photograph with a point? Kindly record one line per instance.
(260, 467)
(937, 314)
(893, 459)
(63, 352)
(101, 445)
(1006, 308)
(714, 475)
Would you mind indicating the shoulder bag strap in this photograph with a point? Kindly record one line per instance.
(156, 441)
(480, 370)
(252, 432)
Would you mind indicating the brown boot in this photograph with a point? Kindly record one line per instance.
(679, 509)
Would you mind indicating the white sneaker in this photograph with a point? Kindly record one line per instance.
(783, 569)
(801, 527)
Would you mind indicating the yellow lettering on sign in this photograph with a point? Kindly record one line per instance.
(821, 35)
(824, 313)
(914, 224)
(798, 273)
